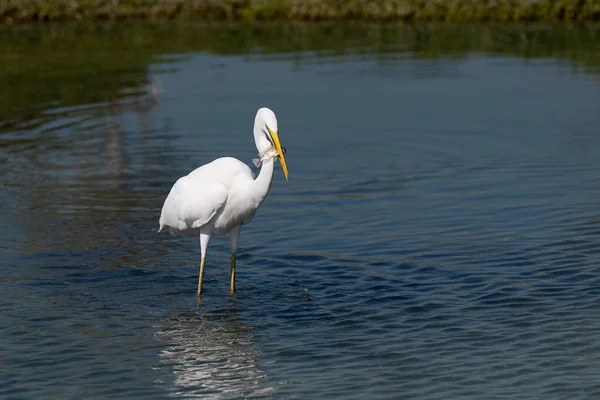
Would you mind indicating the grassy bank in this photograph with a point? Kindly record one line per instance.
(12, 11)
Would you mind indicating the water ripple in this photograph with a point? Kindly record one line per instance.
(439, 237)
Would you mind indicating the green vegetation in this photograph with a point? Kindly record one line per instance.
(374, 10)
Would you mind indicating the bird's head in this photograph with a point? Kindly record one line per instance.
(266, 135)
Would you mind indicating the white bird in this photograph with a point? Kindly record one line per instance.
(221, 196)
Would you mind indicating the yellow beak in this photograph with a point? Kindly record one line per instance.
(275, 140)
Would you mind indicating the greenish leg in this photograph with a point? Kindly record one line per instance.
(232, 287)
(201, 277)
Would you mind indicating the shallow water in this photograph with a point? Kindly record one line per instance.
(439, 236)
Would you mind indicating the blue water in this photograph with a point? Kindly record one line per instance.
(439, 236)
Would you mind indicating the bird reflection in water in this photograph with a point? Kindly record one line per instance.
(212, 353)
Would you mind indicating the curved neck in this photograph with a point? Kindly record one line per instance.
(259, 189)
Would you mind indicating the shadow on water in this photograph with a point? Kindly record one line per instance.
(90, 164)
(212, 352)
(66, 66)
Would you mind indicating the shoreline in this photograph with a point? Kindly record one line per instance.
(455, 11)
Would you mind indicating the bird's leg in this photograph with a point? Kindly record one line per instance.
(234, 235)
(204, 239)
(201, 276)
(232, 287)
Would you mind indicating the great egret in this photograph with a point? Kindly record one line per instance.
(221, 196)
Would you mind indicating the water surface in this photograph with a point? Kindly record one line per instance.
(439, 236)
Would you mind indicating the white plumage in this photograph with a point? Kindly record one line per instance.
(218, 197)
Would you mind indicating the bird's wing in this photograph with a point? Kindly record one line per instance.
(192, 204)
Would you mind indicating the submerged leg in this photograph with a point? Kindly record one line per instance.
(234, 235)
(204, 239)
